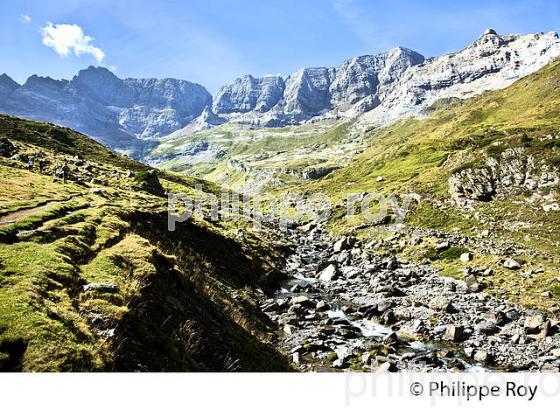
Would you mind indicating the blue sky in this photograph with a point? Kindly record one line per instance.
(213, 42)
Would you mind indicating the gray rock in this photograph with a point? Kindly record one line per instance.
(101, 287)
(487, 328)
(454, 333)
(118, 113)
(513, 264)
(344, 244)
(537, 325)
(249, 94)
(472, 283)
(483, 357)
(440, 303)
(329, 273)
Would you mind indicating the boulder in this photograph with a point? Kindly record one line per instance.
(466, 257)
(101, 287)
(441, 303)
(7, 149)
(344, 244)
(537, 325)
(513, 264)
(486, 327)
(472, 283)
(483, 357)
(329, 273)
(454, 333)
(391, 339)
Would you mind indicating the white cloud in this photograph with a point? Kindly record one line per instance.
(25, 19)
(68, 39)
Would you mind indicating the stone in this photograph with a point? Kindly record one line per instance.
(486, 327)
(534, 324)
(466, 257)
(296, 358)
(300, 300)
(483, 357)
(321, 306)
(380, 179)
(390, 339)
(102, 287)
(513, 264)
(472, 283)
(453, 333)
(387, 367)
(344, 244)
(498, 318)
(388, 318)
(469, 352)
(441, 303)
(537, 326)
(7, 148)
(441, 246)
(384, 305)
(415, 240)
(329, 273)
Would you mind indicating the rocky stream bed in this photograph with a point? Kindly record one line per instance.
(344, 308)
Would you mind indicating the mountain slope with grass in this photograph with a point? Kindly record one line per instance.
(92, 280)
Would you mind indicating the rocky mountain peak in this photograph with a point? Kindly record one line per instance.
(7, 86)
(491, 62)
(249, 94)
(5, 79)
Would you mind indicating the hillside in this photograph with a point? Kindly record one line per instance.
(487, 171)
(92, 279)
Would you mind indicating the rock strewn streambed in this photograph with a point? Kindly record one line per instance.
(344, 308)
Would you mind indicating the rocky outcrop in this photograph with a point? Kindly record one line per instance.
(249, 94)
(510, 173)
(307, 90)
(491, 62)
(360, 81)
(388, 85)
(116, 112)
(311, 92)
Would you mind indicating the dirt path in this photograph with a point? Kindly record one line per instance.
(17, 215)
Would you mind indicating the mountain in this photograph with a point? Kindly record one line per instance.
(119, 113)
(492, 62)
(309, 92)
(132, 115)
(381, 88)
(333, 109)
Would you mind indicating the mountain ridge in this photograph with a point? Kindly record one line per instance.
(132, 115)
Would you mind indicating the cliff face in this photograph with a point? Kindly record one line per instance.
(249, 94)
(127, 114)
(309, 92)
(388, 85)
(492, 62)
(119, 113)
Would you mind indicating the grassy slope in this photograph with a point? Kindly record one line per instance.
(178, 293)
(419, 155)
(279, 149)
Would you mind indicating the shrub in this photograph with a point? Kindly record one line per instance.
(451, 253)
